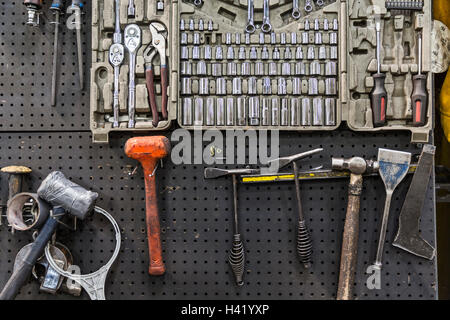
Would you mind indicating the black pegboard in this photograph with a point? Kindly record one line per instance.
(26, 55)
(196, 221)
(196, 215)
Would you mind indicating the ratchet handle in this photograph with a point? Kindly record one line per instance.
(23, 271)
(149, 77)
(379, 100)
(419, 100)
(164, 85)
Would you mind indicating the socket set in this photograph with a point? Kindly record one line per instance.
(271, 64)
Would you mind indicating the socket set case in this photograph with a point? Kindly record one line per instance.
(307, 74)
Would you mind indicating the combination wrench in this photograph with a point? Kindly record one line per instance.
(295, 10)
(132, 43)
(250, 27)
(266, 26)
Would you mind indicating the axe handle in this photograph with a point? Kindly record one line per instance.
(349, 251)
(152, 217)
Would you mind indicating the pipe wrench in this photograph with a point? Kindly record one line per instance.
(156, 47)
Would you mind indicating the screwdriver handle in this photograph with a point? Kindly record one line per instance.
(419, 100)
(378, 99)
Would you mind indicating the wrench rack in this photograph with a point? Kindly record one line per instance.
(196, 214)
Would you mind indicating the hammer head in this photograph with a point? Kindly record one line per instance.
(145, 148)
(355, 165)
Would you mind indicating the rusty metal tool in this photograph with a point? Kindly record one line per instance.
(148, 151)
(349, 252)
(156, 47)
(408, 236)
(304, 243)
(393, 167)
(236, 257)
(33, 11)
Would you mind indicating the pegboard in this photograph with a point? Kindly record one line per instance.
(25, 73)
(196, 214)
(196, 222)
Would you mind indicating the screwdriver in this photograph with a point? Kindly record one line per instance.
(378, 95)
(57, 8)
(419, 94)
(77, 6)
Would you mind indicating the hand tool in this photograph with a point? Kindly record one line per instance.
(408, 236)
(76, 8)
(236, 257)
(419, 94)
(191, 24)
(132, 35)
(182, 25)
(317, 112)
(284, 110)
(275, 111)
(186, 86)
(15, 179)
(116, 56)
(296, 14)
(26, 211)
(148, 151)
(157, 46)
(201, 68)
(196, 53)
(294, 116)
(64, 196)
(306, 112)
(117, 37)
(305, 37)
(393, 167)
(94, 283)
(203, 88)
(330, 112)
(242, 54)
(210, 25)
(232, 69)
(230, 111)
(266, 26)
(221, 86)
(210, 111)
(293, 37)
(131, 9)
(282, 91)
(201, 25)
(251, 85)
(253, 111)
(33, 11)
(208, 52)
(308, 6)
(304, 243)
(57, 8)
(250, 27)
(241, 117)
(357, 167)
(265, 113)
(378, 95)
(187, 111)
(220, 111)
(160, 5)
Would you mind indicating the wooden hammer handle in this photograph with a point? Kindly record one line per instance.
(153, 229)
(349, 252)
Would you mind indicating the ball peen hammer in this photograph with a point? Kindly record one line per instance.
(148, 151)
(349, 252)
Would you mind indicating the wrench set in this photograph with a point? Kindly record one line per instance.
(298, 65)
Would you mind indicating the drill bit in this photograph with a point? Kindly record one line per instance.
(57, 8)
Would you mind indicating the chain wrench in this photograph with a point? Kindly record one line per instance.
(131, 9)
(132, 43)
(116, 55)
(266, 26)
(295, 10)
(250, 27)
(308, 6)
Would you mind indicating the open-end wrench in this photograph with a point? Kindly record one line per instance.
(266, 26)
(131, 9)
(295, 10)
(132, 43)
(308, 6)
(116, 55)
(250, 27)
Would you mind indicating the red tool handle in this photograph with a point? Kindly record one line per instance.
(152, 216)
(164, 85)
(149, 77)
(419, 100)
(379, 100)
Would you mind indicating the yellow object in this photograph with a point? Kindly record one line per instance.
(441, 10)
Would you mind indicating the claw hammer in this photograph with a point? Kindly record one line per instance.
(349, 252)
(148, 151)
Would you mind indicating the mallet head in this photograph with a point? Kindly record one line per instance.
(146, 148)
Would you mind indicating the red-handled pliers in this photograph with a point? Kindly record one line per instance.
(157, 46)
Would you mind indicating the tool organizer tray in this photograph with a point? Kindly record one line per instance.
(307, 74)
(196, 214)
